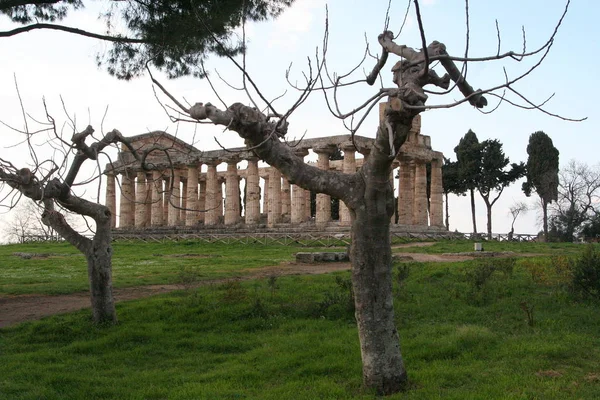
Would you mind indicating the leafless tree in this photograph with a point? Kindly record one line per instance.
(518, 208)
(367, 193)
(26, 224)
(578, 198)
(52, 184)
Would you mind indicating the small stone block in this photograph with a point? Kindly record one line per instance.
(305, 258)
(329, 257)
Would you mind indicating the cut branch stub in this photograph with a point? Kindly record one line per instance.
(475, 97)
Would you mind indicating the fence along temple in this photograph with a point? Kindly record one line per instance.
(184, 189)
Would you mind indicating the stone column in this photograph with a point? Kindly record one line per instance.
(212, 213)
(157, 202)
(183, 196)
(252, 216)
(420, 203)
(323, 215)
(274, 214)
(140, 200)
(405, 193)
(297, 211)
(191, 215)
(111, 198)
(437, 194)
(298, 202)
(174, 200)
(220, 199)
(148, 199)
(265, 195)
(286, 201)
(307, 213)
(348, 167)
(166, 197)
(126, 212)
(201, 201)
(232, 193)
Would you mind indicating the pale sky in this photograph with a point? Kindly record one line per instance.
(52, 64)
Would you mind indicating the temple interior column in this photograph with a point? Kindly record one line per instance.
(220, 199)
(183, 197)
(157, 204)
(201, 200)
(286, 201)
(297, 211)
(265, 194)
(211, 216)
(125, 211)
(437, 194)
(174, 200)
(252, 215)
(140, 200)
(420, 201)
(111, 198)
(348, 167)
(166, 196)
(191, 215)
(406, 193)
(148, 177)
(306, 203)
(274, 215)
(232, 193)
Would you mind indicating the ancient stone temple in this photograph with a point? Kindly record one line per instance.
(184, 187)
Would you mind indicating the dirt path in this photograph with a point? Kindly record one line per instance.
(21, 308)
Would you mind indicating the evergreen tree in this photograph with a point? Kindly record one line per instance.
(451, 183)
(174, 36)
(494, 177)
(542, 172)
(468, 155)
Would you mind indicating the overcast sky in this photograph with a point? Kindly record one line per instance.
(54, 64)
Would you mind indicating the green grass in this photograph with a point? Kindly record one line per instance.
(460, 246)
(134, 264)
(295, 338)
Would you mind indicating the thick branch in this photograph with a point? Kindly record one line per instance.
(263, 136)
(108, 38)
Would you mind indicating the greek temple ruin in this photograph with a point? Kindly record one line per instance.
(184, 187)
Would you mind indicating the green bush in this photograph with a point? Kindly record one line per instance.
(586, 273)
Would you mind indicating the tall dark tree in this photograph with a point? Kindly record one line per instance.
(174, 36)
(542, 172)
(494, 176)
(468, 155)
(451, 183)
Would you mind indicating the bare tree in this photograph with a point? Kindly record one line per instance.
(367, 193)
(578, 198)
(518, 208)
(26, 224)
(51, 183)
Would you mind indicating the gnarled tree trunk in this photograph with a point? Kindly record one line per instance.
(99, 261)
(370, 253)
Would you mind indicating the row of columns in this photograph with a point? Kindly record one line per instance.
(151, 200)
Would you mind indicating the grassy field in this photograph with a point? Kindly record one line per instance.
(465, 334)
(134, 264)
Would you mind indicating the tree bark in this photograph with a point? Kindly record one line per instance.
(370, 200)
(99, 261)
(473, 211)
(489, 220)
(370, 253)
